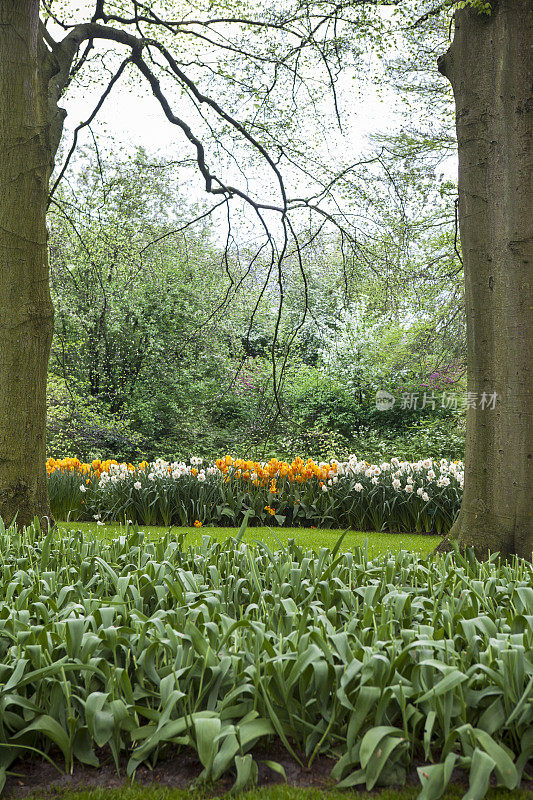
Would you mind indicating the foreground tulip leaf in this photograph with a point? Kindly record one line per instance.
(149, 648)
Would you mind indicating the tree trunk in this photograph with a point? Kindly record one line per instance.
(490, 67)
(26, 313)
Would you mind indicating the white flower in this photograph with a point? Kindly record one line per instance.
(98, 522)
(335, 479)
(201, 477)
(83, 488)
(425, 497)
(96, 516)
(137, 485)
(419, 492)
(324, 488)
(408, 488)
(409, 479)
(375, 480)
(427, 463)
(396, 483)
(114, 479)
(358, 487)
(431, 474)
(151, 476)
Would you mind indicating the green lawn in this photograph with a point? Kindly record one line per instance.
(378, 543)
(138, 792)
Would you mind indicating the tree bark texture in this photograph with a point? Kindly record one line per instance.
(26, 312)
(490, 67)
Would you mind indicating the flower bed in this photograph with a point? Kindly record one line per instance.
(149, 650)
(422, 496)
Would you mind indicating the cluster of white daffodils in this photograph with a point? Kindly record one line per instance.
(158, 469)
(411, 477)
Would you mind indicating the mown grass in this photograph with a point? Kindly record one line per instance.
(137, 792)
(312, 538)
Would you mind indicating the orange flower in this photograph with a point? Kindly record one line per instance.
(270, 510)
(197, 523)
(194, 471)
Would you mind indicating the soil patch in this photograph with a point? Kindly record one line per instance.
(182, 769)
(179, 771)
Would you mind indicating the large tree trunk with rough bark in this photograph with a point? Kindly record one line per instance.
(26, 313)
(490, 67)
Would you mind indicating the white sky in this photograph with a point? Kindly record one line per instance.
(132, 117)
(136, 118)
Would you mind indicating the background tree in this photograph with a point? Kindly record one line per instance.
(490, 66)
